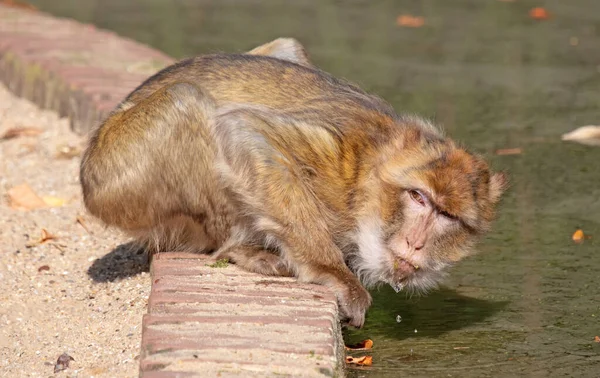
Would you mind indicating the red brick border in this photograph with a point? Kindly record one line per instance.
(224, 320)
(75, 69)
(201, 321)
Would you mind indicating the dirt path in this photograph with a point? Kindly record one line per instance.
(83, 293)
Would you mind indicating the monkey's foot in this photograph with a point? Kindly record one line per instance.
(256, 260)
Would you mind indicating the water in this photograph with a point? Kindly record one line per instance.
(529, 303)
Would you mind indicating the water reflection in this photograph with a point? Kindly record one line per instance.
(527, 304)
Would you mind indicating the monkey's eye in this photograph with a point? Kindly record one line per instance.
(448, 215)
(417, 197)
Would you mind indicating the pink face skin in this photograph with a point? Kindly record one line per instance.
(418, 257)
(415, 256)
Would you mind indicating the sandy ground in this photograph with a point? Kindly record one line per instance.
(83, 293)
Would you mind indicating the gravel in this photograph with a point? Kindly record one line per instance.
(83, 293)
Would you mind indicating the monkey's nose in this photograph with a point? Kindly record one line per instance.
(416, 245)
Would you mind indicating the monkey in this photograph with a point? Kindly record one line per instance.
(263, 158)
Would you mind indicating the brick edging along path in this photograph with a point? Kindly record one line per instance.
(77, 70)
(201, 321)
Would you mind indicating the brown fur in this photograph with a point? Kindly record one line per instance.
(275, 164)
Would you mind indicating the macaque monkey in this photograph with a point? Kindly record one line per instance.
(266, 160)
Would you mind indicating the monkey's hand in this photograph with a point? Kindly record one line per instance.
(354, 301)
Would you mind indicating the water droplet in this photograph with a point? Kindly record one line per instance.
(398, 287)
(398, 318)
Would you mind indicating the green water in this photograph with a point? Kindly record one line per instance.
(529, 303)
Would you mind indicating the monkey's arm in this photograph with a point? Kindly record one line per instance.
(272, 187)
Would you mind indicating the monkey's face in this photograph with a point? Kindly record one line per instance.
(432, 206)
(422, 242)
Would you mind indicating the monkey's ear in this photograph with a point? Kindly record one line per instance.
(498, 185)
(284, 48)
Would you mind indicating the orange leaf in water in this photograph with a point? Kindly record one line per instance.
(509, 151)
(578, 236)
(18, 4)
(597, 339)
(363, 345)
(16, 132)
(22, 197)
(410, 21)
(539, 13)
(361, 361)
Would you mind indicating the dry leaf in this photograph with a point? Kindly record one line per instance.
(578, 236)
(361, 361)
(66, 151)
(589, 135)
(22, 197)
(54, 201)
(81, 222)
(363, 345)
(46, 235)
(509, 151)
(597, 339)
(539, 13)
(60, 247)
(410, 21)
(17, 132)
(62, 362)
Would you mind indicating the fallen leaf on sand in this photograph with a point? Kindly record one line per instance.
(54, 201)
(46, 235)
(17, 132)
(578, 236)
(410, 21)
(67, 151)
(588, 135)
(361, 361)
(22, 197)
(597, 339)
(363, 345)
(539, 13)
(81, 222)
(62, 362)
(509, 151)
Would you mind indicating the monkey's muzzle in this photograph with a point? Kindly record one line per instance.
(403, 268)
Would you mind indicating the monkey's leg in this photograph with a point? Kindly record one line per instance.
(272, 189)
(255, 259)
(149, 169)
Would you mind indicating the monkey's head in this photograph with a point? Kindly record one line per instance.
(432, 201)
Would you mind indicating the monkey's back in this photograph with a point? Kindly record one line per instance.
(265, 81)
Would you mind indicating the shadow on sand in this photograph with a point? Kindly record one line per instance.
(124, 261)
